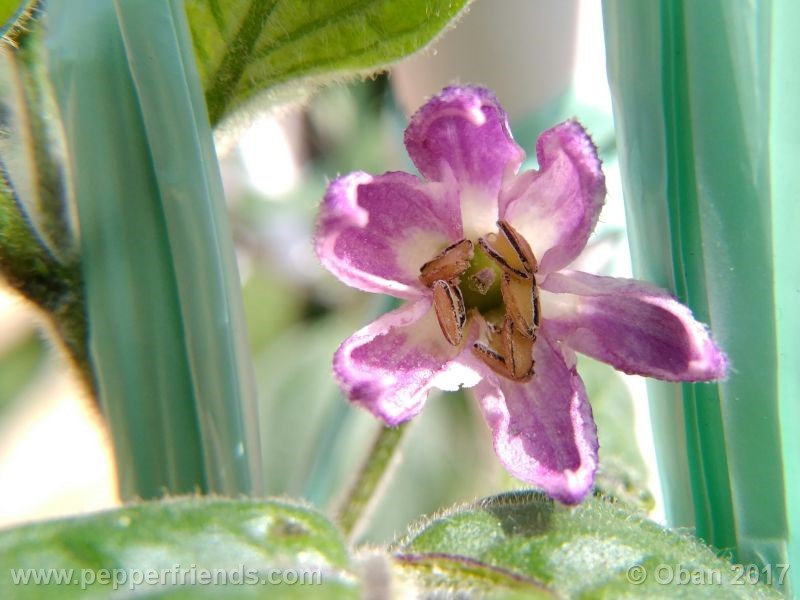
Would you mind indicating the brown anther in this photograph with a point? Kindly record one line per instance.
(518, 352)
(510, 250)
(486, 245)
(482, 280)
(449, 264)
(521, 298)
(495, 332)
(509, 353)
(492, 359)
(449, 306)
(520, 245)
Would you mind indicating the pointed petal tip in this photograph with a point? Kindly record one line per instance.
(707, 362)
(574, 488)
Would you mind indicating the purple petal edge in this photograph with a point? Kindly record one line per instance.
(556, 208)
(389, 366)
(543, 431)
(375, 232)
(635, 327)
(463, 129)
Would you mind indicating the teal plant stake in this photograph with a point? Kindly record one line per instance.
(705, 108)
(163, 300)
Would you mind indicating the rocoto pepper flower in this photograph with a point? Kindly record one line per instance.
(480, 252)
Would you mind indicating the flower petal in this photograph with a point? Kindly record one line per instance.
(633, 326)
(461, 135)
(556, 207)
(375, 232)
(388, 366)
(543, 430)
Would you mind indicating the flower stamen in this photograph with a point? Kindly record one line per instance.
(449, 264)
(450, 311)
(510, 349)
(518, 350)
(493, 360)
(521, 298)
(510, 250)
(520, 245)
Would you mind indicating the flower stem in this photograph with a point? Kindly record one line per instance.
(365, 489)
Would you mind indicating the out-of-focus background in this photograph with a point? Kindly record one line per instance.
(545, 61)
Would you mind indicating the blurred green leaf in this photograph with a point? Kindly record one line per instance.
(296, 391)
(190, 534)
(8, 8)
(585, 551)
(249, 46)
(25, 262)
(13, 15)
(442, 574)
(704, 96)
(17, 367)
(31, 146)
(271, 304)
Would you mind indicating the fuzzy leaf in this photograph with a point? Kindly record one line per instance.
(190, 534)
(25, 262)
(442, 574)
(278, 46)
(575, 552)
(13, 16)
(31, 147)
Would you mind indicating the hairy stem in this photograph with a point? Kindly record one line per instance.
(28, 267)
(365, 489)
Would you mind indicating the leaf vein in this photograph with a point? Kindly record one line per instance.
(217, 14)
(352, 53)
(237, 56)
(322, 22)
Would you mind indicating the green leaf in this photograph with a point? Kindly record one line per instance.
(18, 366)
(249, 46)
(190, 534)
(37, 250)
(25, 262)
(14, 15)
(31, 145)
(586, 551)
(442, 573)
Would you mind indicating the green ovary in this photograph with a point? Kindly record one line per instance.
(491, 302)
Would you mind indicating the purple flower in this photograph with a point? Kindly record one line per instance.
(479, 252)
